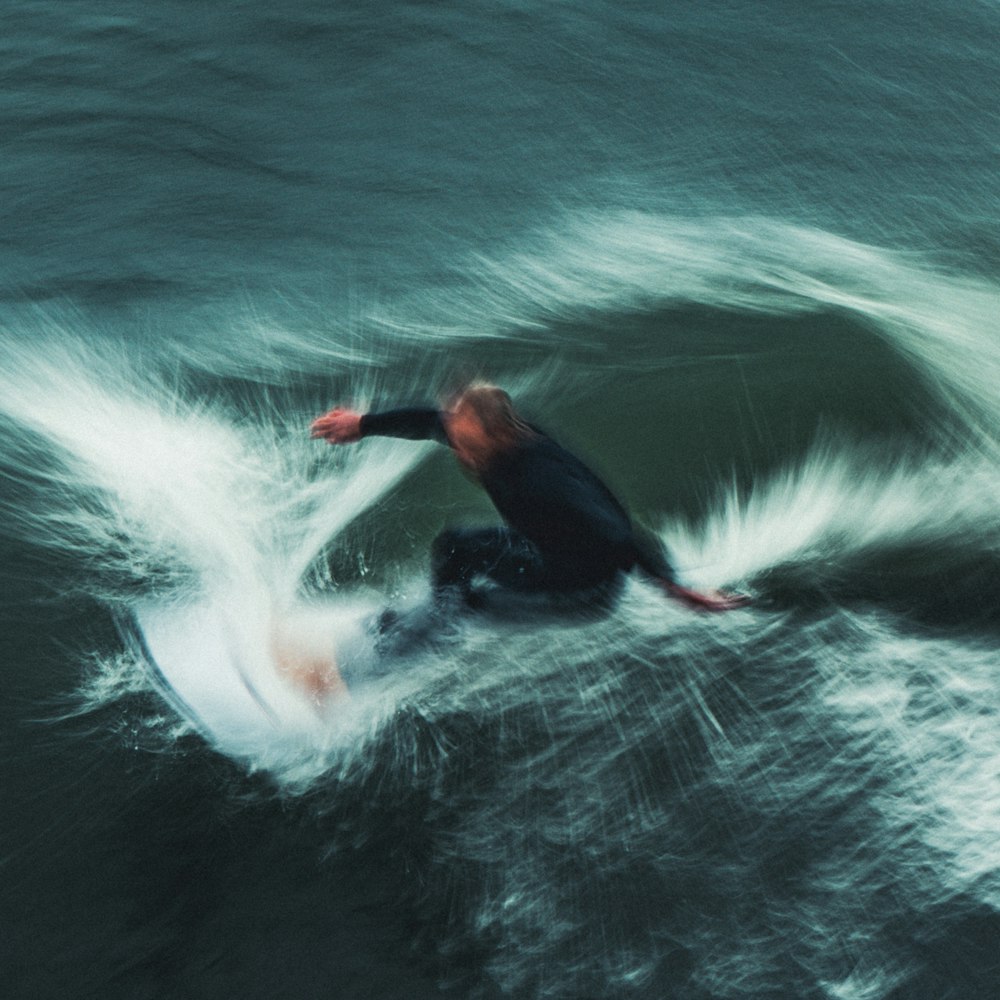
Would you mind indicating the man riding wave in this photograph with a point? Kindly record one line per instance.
(564, 531)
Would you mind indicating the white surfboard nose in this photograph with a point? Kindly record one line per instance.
(255, 685)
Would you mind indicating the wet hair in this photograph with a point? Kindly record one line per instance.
(494, 409)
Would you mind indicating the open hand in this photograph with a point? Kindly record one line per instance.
(338, 426)
(712, 600)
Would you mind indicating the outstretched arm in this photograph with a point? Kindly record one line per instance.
(712, 600)
(338, 426)
(652, 560)
(343, 426)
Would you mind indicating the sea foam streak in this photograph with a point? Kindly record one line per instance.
(946, 323)
(817, 778)
(160, 492)
(187, 480)
(129, 462)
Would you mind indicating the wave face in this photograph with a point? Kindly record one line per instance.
(740, 264)
(795, 797)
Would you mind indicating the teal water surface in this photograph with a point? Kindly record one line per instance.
(743, 257)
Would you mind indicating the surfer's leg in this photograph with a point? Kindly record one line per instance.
(572, 576)
(508, 559)
(460, 555)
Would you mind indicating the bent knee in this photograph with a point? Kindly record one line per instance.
(446, 542)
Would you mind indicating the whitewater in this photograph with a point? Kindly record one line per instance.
(741, 258)
(824, 762)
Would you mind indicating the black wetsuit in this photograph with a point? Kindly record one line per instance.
(566, 530)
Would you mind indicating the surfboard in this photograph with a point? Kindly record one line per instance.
(269, 685)
(254, 682)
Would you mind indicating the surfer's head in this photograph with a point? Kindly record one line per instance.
(481, 422)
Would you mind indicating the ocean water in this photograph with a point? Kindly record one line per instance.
(741, 256)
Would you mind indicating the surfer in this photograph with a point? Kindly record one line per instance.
(565, 531)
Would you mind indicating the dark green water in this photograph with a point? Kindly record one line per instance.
(743, 257)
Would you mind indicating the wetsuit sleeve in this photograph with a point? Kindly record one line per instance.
(414, 424)
(651, 556)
